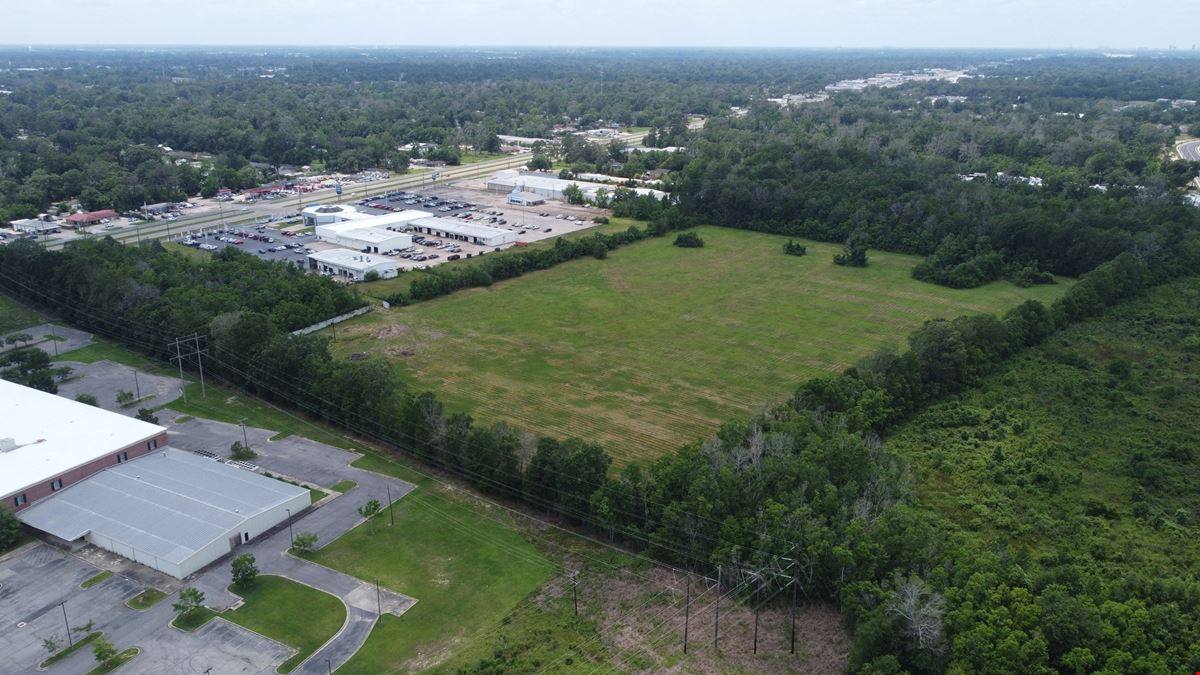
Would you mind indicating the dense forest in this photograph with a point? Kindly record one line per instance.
(1048, 165)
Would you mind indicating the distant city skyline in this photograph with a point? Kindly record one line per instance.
(1029, 24)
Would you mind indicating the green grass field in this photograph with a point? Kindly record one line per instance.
(146, 599)
(296, 615)
(15, 316)
(657, 345)
(465, 570)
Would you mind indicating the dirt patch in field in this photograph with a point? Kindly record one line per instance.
(391, 330)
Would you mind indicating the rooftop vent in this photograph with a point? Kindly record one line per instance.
(8, 444)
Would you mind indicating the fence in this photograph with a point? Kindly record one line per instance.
(329, 322)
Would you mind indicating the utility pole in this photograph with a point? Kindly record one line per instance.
(687, 612)
(137, 387)
(179, 358)
(391, 513)
(575, 589)
(378, 600)
(717, 623)
(196, 351)
(291, 537)
(70, 641)
(757, 607)
(245, 441)
(793, 640)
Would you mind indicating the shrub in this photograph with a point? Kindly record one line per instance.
(88, 399)
(304, 542)
(688, 240)
(244, 570)
(792, 248)
(241, 453)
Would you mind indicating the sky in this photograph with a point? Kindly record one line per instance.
(1037, 24)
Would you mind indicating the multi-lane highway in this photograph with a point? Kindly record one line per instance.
(1189, 150)
(239, 215)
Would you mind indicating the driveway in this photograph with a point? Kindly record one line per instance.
(322, 465)
(68, 338)
(103, 379)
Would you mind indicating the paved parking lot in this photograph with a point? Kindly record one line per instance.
(104, 378)
(53, 338)
(36, 579)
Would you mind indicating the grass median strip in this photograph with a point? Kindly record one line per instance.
(92, 581)
(79, 644)
(116, 662)
(146, 599)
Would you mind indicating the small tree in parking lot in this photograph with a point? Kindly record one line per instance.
(124, 398)
(88, 399)
(190, 600)
(244, 569)
(103, 649)
(52, 644)
(147, 415)
(241, 453)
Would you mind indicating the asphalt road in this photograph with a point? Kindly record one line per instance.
(1189, 150)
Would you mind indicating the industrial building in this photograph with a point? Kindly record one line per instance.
(173, 511)
(50, 443)
(346, 264)
(511, 180)
(459, 230)
(357, 235)
(83, 474)
(518, 198)
(35, 226)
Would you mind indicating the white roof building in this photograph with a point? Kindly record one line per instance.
(552, 187)
(353, 265)
(357, 235)
(459, 230)
(323, 214)
(46, 438)
(171, 510)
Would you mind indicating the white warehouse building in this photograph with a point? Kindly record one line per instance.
(452, 228)
(356, 234)
(353, 265)
(511, 180)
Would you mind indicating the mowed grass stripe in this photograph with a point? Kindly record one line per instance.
(655, 346)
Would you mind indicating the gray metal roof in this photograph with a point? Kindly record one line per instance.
(169, 504)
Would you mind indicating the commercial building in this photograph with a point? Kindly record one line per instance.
(324, 214)
(353, 265)
(511, 180)
(34, 226)
(459, 230)
(173, 511)
(83, 474)
(357, 235)
(519, 198)
(48, 443)
(85, 218)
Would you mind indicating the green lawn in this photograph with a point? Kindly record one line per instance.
(343, 486)
(466, 572)
(193, 620)
(187, 251)
(15, 316)
(146, 599)
(103, 350)
(656, 345)
(297, 615)
(125, 656)
(228, 405)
